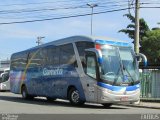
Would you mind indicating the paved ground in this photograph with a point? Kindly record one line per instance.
(142, 104)
(12, 103)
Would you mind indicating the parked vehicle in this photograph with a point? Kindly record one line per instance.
(4, 79)
(80, 69)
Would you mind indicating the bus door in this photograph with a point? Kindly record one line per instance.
(91, 77)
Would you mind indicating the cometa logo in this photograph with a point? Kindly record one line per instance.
(55, 71)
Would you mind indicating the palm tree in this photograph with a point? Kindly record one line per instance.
(156, 28)
(130, 29)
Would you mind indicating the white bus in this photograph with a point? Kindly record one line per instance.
(4, 79)
(79, 69)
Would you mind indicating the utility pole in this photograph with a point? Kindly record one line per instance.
(136, 42)
(92, 6)
(39, 40)
(0, 63)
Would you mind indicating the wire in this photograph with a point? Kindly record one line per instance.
(36, 10)
(150, 7)
(48, 19)
(68, 9)
(24, 4)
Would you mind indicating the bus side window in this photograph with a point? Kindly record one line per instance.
(19, 62)
(52, 56)
(91, 66)
(67, 55)
(81, 46)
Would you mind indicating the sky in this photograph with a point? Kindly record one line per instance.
(18, 37)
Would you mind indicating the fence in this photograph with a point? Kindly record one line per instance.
(150, 84)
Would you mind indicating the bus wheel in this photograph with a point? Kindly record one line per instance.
(25, 94)
(107, 105)
(74, 97)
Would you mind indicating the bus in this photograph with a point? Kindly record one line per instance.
(4, 79)
(79, 69)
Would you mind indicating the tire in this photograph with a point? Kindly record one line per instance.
(25, 94)
(107, 105)
(74, 97)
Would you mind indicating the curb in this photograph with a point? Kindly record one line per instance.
(140, 106)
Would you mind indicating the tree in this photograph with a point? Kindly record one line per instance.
(150, 45)
(156, 28)
(130, 29)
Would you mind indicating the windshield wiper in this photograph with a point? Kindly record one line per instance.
(124, 68)
(118, 74)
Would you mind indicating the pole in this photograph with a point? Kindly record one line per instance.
(92, 6)
(91, 20)
(39, 40)
(136, 42)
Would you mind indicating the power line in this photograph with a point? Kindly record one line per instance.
(82, 10)
(151, 7)
(72, 16)
(46, 9)
(34, 3)
(36, 10)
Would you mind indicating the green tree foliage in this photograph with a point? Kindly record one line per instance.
(130, 29)
(149, 39)
(150, 45)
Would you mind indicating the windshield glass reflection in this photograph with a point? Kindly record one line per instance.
(118, 65)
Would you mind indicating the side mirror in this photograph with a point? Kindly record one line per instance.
(97, 52)
(142, 57)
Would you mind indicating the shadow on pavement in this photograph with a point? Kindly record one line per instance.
(43, 101)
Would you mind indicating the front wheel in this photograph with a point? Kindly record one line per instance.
(74, 97)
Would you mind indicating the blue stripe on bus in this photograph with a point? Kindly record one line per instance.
(132, 88)
(118, 88)
(112, 43)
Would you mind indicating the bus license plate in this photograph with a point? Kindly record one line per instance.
(124, 99)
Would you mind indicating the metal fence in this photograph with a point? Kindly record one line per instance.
(150, 84)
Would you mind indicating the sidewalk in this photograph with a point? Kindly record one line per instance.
(152, 105)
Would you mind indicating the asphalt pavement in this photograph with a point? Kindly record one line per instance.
(13, 107)
(152, 105)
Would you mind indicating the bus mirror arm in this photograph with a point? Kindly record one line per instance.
(140, 56)
(97, 52)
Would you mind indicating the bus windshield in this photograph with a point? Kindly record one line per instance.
(119, 65)
(4, 77)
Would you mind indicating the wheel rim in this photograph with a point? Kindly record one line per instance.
(75, 96)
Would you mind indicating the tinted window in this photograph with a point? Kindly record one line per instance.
(37, 58)
(53, 55)
(67, 55)
(81, 46)
(91, 66)
(19, 61)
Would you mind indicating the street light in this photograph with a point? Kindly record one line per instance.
(92, 6)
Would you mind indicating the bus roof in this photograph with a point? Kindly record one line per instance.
(82, 38)
(99, 40)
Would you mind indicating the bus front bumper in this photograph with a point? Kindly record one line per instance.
(108, 96)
